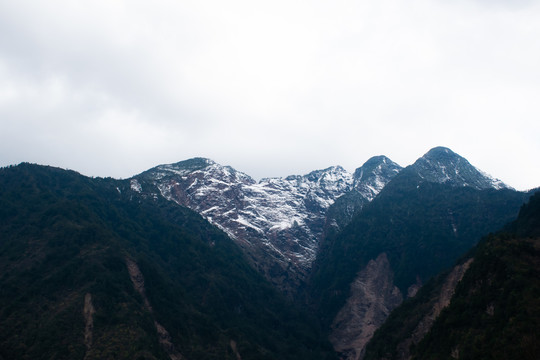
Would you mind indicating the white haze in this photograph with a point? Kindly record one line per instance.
(112, 88)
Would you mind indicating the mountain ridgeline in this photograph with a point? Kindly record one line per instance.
(195, 260)
(278, 222)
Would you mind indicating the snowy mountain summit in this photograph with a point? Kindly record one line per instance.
(278, 222)
(442, 165)
(374, 174)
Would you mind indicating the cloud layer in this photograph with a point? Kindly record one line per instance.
(111, 88)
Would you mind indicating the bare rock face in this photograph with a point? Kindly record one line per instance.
(373, 297)
(278, 222)
(442, 301)
(163, 335)
(88, 312)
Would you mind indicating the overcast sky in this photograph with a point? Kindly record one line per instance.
(272, 88)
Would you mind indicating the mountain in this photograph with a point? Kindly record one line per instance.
(441, 165)
(278, 222)
(91, 269)
(426, 217)
(372, 177)
(195, 260)
(369, 179)
(486, 307)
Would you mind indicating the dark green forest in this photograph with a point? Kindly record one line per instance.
(495, 310)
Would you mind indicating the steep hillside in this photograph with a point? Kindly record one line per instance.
(89, 269)
(492, 313)
(421, 222)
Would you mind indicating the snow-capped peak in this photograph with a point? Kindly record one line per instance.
(442, 165)
(370, 178)
(204, 166)
(277, 221)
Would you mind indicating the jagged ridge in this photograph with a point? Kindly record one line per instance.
(277, 221)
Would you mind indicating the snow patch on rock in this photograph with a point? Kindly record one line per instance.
(277, 221)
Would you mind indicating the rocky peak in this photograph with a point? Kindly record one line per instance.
(373, 296)
(370, 178)
(278, 222)
(367, 181)
(442, 165)
(183, 167)
(201, 168)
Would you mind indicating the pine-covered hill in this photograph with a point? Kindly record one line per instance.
(66, 292)
(494, 312)
(422, 226)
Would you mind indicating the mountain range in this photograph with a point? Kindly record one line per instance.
(278, 222)
(195, 260)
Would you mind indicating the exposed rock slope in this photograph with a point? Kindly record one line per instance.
(440, 303)
(278, 222)
(373, 296)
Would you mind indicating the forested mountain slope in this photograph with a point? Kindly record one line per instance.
(90, 270)
(425, 218)
(492, 313)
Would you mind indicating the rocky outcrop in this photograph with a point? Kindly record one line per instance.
(88, 312)
(373, 296)
(235, 350)
(164, 337)
(442, 301)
